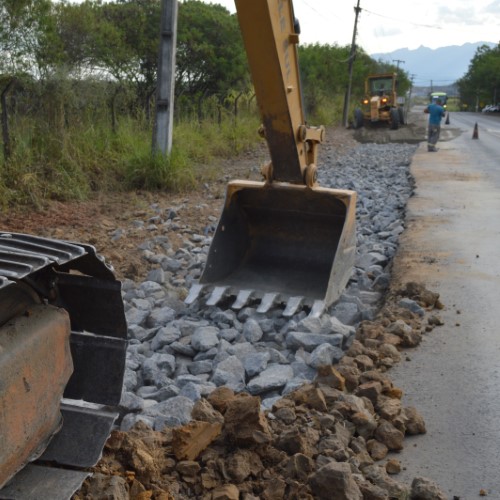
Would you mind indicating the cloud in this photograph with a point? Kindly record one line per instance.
(385, 31)
(464, 15)
(493, 7)
(468, 15)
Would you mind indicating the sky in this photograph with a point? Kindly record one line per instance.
(388, 25)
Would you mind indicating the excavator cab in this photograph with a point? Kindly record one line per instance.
(285, 239)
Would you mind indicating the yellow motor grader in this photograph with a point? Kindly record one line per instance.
(380, 103)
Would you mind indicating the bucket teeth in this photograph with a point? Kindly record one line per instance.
(242, 299)
(292, 306)
(317, 309)
(194, 293)
(216, 295)
(268, 300)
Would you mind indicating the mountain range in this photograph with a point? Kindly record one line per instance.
(431, 67)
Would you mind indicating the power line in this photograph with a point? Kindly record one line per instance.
(433, 26)
(321, 14)
(423, 79)
(312, 8)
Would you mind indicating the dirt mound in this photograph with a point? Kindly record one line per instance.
(328, 439)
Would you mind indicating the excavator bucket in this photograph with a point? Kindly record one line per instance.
(286, 239)
(281, 242)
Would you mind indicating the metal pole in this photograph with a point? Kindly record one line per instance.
(164, 115)
(352, 56)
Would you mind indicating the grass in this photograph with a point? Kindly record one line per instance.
(70, 157)
(70, 163)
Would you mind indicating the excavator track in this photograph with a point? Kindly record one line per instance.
(70, 279)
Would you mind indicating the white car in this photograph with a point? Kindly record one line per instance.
(491, 108)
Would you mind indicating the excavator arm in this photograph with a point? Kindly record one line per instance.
(285, 240)
(271, 35)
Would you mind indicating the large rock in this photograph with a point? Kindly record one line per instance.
(273, 377)
(241, 464)
(309, 341)
(190, 440)
(244, 423)
(230, 372)
(172, 412)
(226, 492)
(426, 489)
(295, 440)
(335, 481)
(414, 423)
(387, 434)
(205, 337)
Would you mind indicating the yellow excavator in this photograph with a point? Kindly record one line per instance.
(63, 334)
(63, 341)
(285, 240)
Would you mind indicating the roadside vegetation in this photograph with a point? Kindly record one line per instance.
(77, 96)
(481, 84)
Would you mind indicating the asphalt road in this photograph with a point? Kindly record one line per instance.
(452, 244)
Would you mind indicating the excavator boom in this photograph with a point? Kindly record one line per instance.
(285, 239)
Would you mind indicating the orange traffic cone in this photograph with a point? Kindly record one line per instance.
(447, 122)
(475, 134)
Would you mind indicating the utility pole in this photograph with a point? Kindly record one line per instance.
(352, 56)
(412, 77)
(164, 116)
(398, 61)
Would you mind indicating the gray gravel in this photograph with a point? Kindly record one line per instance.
(178, 354)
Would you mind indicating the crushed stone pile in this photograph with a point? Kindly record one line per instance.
(179, 354)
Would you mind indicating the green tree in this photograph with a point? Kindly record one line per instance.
(128, 39)
(210, 55)
(21, 25)
(324, 73)
(481, 83)
(115, 42)
(76, 29)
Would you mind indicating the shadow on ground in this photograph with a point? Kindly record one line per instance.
(413, 132)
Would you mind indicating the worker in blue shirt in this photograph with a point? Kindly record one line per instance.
(436, 113)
